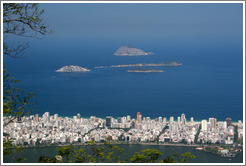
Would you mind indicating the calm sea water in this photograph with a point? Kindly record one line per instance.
(33, 154)
(208, 84)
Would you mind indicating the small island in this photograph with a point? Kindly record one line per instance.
(145, 71)
(72, 68)
(149, 64)
(129, 51)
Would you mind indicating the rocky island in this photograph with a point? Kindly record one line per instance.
(129, 51)
(72, 68)
(149, 64)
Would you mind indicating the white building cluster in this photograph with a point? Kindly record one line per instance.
(50, 129)
(180, 131)
(219, 132)
(35, 130)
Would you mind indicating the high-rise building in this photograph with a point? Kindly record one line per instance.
(148, 119)
(171, 119)
(191, 119)
(46, 117)
(228, 121)
(139, 117)
(108, 121)
(160, 119)
(214, 123)
(164, 120)
(183, 120)
(128, 118)
(55, 116)
(78, 116)
(204, 125)
(36, 118)
(74, 118)
(123, 120)
(178, 119)
(138, 126)
(119, 120)
(133, 122)
(224, 125)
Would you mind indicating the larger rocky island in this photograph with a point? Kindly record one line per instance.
(129, 51)
(72, 68)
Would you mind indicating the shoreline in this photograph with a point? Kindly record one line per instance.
(101, 143)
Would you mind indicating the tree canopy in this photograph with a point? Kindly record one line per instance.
(25, 20)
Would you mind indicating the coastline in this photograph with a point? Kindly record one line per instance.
(116, 143)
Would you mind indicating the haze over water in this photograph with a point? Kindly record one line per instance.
(205, 38)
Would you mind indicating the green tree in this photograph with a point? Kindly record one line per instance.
(21, 19)
(15, 107)
(15, 102)
(177, 158)
(24, 20)
(146, 156)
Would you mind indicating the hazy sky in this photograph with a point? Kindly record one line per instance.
(170, 21)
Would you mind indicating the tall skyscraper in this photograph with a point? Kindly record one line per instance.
(204, 125)
(139, 117)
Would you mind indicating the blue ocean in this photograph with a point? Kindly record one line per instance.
(208, 84)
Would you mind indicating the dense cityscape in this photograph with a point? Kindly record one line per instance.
(49, 130)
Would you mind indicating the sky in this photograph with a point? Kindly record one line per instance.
(145, 21)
